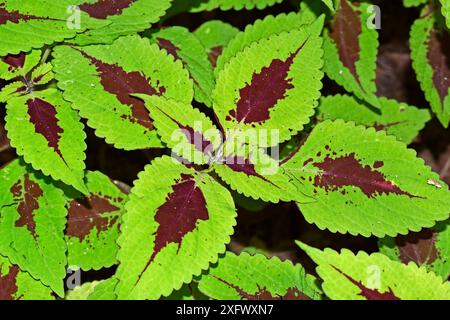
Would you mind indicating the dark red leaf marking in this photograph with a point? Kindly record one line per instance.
(8, 285)
(117, 81)
(214, 54)
(380, 126)
(239, 164)
(345, 31)
(369, 294)
(347, 171)
(43, 116)
(171, 48)
(419, 247)
(102, 9)
(263, 294)
(195, 138)
(39, 77)
(179, 215)
(439, 58)
(265, 90)
(86, 214)
(15, 61)
(378, 164)
(27, 193)
(16, 16)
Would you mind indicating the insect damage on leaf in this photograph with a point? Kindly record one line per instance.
(43, 117)
(102, 9)
(265, 90)
(348, 171)
(27, 193)
(85, 214)
(368, 293)
(8, 286)
(346, 28)
(179, 215)
(439, 59)
(122, 84)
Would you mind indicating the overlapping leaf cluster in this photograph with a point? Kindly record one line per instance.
(140, 87)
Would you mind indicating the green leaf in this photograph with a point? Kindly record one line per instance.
(329, 4)
(25, 25)
(14, 89)
(185, 47)
(396, 118)
(124, 17)
(104, 290)
(414, 3)
(42, 74)
(428, 51)
(429, 248)
(99, 80)
(260, 30)
(224, 5)
(214, 36)
(188, 292)
(49, 135)
(93, 223)
(347, 276)
(273, 93)
(255, 277)
(188, 132)
(18, 65)
(184, 219)
(82, 292)
(251, 172)
(32, 222)
(446, 11)
(351, 49)
(365, 182)
(19, 285)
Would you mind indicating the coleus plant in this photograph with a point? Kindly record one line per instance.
(223, 101)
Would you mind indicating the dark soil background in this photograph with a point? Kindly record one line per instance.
(275, 227)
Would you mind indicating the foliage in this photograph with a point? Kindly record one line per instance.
(211, 108)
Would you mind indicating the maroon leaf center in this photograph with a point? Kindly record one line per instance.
(369, 294)
(241, 164)
(15, 61)
(179, 215)
(8, 286)
(43, 116)
(439, 58)
(194, 137)
(117, 81)
(16, 16)
(102, 9)
(86, 214)
(345, 31)
(347, 171)
(265, 90)
(27, 193)
(171, 48)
